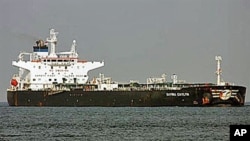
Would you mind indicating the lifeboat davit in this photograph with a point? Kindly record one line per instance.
(14, 82)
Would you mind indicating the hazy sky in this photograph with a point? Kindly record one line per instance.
(136, 38)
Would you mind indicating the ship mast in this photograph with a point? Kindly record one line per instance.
(218, 71)
(52, 40)
(73, 50)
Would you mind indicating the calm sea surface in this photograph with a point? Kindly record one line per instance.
(123, 123)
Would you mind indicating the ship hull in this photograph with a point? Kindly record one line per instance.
(191, 96)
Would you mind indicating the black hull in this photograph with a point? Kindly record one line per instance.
(191, 96)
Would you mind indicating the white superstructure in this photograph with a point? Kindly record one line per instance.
(43, 69)
(105, 83)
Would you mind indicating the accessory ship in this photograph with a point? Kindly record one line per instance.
(48, 78)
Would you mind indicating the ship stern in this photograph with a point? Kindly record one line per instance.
(11, 98)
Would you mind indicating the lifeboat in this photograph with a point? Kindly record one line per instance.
(14, 82)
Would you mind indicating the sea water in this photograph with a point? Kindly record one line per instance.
(119, 123)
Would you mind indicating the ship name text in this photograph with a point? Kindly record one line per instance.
(177, 94)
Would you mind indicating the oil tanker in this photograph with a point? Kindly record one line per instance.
(49, 78)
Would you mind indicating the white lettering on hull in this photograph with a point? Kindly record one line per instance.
(177, 94)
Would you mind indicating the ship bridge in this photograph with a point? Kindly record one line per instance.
(45, 69)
